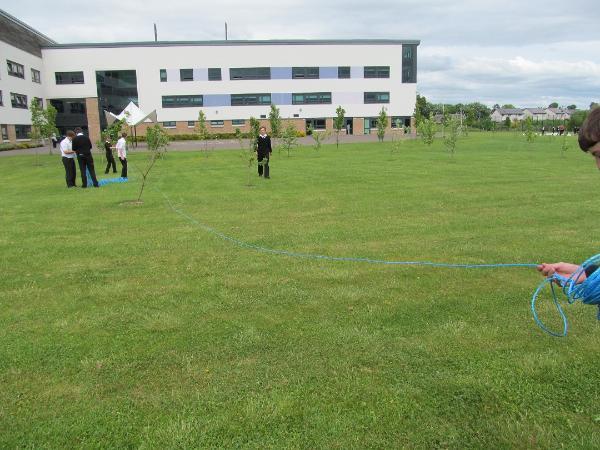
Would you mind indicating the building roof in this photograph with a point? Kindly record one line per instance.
(510, 111)
(536, 110)
(21, 35)
(225, 43)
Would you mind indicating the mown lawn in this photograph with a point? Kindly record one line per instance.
(130, 326)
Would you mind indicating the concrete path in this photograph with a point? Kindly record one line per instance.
(225, 144)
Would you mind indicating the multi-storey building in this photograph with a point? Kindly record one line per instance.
(230, 81)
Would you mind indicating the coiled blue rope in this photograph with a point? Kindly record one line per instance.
(588, 292)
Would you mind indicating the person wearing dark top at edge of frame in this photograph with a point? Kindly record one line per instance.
(263, 152)
(82, 146)
(589, 142)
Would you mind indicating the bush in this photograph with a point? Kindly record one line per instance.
(19, 146)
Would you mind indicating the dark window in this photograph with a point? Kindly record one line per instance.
(216, 123)
(169, 124)
(4, 132)
(250, 99)
(214, 74)
(296, 115)
(377, 97)
(116, 89)
(316, 124)
(305, 72)
(163, 75)
(77, 108)
(59, 105)
(399, 122)
(18, 100)
(1, 101)
(263, 116)
(191, 123)
(344, 72)
(15, 69)
(239, 122)
(36, 76)
(69, 77)
(409, 63)
(181, 101)
(250, 73)
(39, 101)
(23, 131)
(186, 74)
(311, 98)
(377, 71)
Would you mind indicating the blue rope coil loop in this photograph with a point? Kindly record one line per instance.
(588, 292)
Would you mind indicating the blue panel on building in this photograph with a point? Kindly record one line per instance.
(217, 100)
(200, 74)
(281, 98)
(281, 73)
(328, 72)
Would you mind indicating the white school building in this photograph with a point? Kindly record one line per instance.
(230, 81)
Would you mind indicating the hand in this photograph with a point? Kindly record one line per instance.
(563, 269)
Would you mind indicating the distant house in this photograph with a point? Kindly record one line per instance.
(500, 114)
(439, 118)
(559, 113)
(537, 114)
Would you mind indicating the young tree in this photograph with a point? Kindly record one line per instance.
(289, 138)
(338, 124)
(318, 137)
(43, 122)
(382, 123)
(247, 153)
(529, 130)
(275, 123)
(451, 136)
(254, 128)
(157, 140)
(426, 129)
(202, 131)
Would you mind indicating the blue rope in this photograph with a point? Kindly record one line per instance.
(588, 292)
(112, 180)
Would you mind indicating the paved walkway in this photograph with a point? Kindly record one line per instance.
(224, 144)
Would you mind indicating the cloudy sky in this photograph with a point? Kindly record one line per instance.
(525, 52)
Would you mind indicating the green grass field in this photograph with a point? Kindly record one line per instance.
(129, 326)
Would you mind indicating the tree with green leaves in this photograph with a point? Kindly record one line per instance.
(202, 131)
(338, 124)
(426, 129)
(423, 109)
(43, 122)
(529, 130)
(254, 128)
(157, 140)
(318, 137)
(275, 123)
(382, 123)
(553, 105)
(451, 136)
(507, 122)
(289, 138)
(247, 153)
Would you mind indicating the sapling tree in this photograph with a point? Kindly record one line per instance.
(275, 123)
(289, 138)
(451, 136)
(202, 131)
(338, 124)
(318, 137)
(426, 129)
(397, 137)
(529, 130)
(43, 123)
(247, 153)
(382, 123)
(564, 145)
(157, 140)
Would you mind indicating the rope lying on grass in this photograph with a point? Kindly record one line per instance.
(588, 291)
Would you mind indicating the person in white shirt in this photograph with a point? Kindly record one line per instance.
(122, 153)
(68, 158)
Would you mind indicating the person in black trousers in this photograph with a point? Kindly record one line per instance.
(263, 151)
(68, 159)
(110, 159)
(82, 146)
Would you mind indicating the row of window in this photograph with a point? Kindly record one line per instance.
(18, 70)
(306, 98)
(21, 131)
(265, 73)
(20, 101)
(315, 124)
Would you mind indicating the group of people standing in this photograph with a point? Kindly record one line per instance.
(78, 145)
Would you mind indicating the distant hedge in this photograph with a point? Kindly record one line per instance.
(213, 136)
(19, 146)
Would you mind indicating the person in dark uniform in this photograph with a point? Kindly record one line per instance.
(263, 152)
(110, 159)
(82, 146)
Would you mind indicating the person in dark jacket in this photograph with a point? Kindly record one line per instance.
(263, 152)
(82, 146)
(589, 142)
(110, 159)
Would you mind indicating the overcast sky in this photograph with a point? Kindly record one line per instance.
(525, 52)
